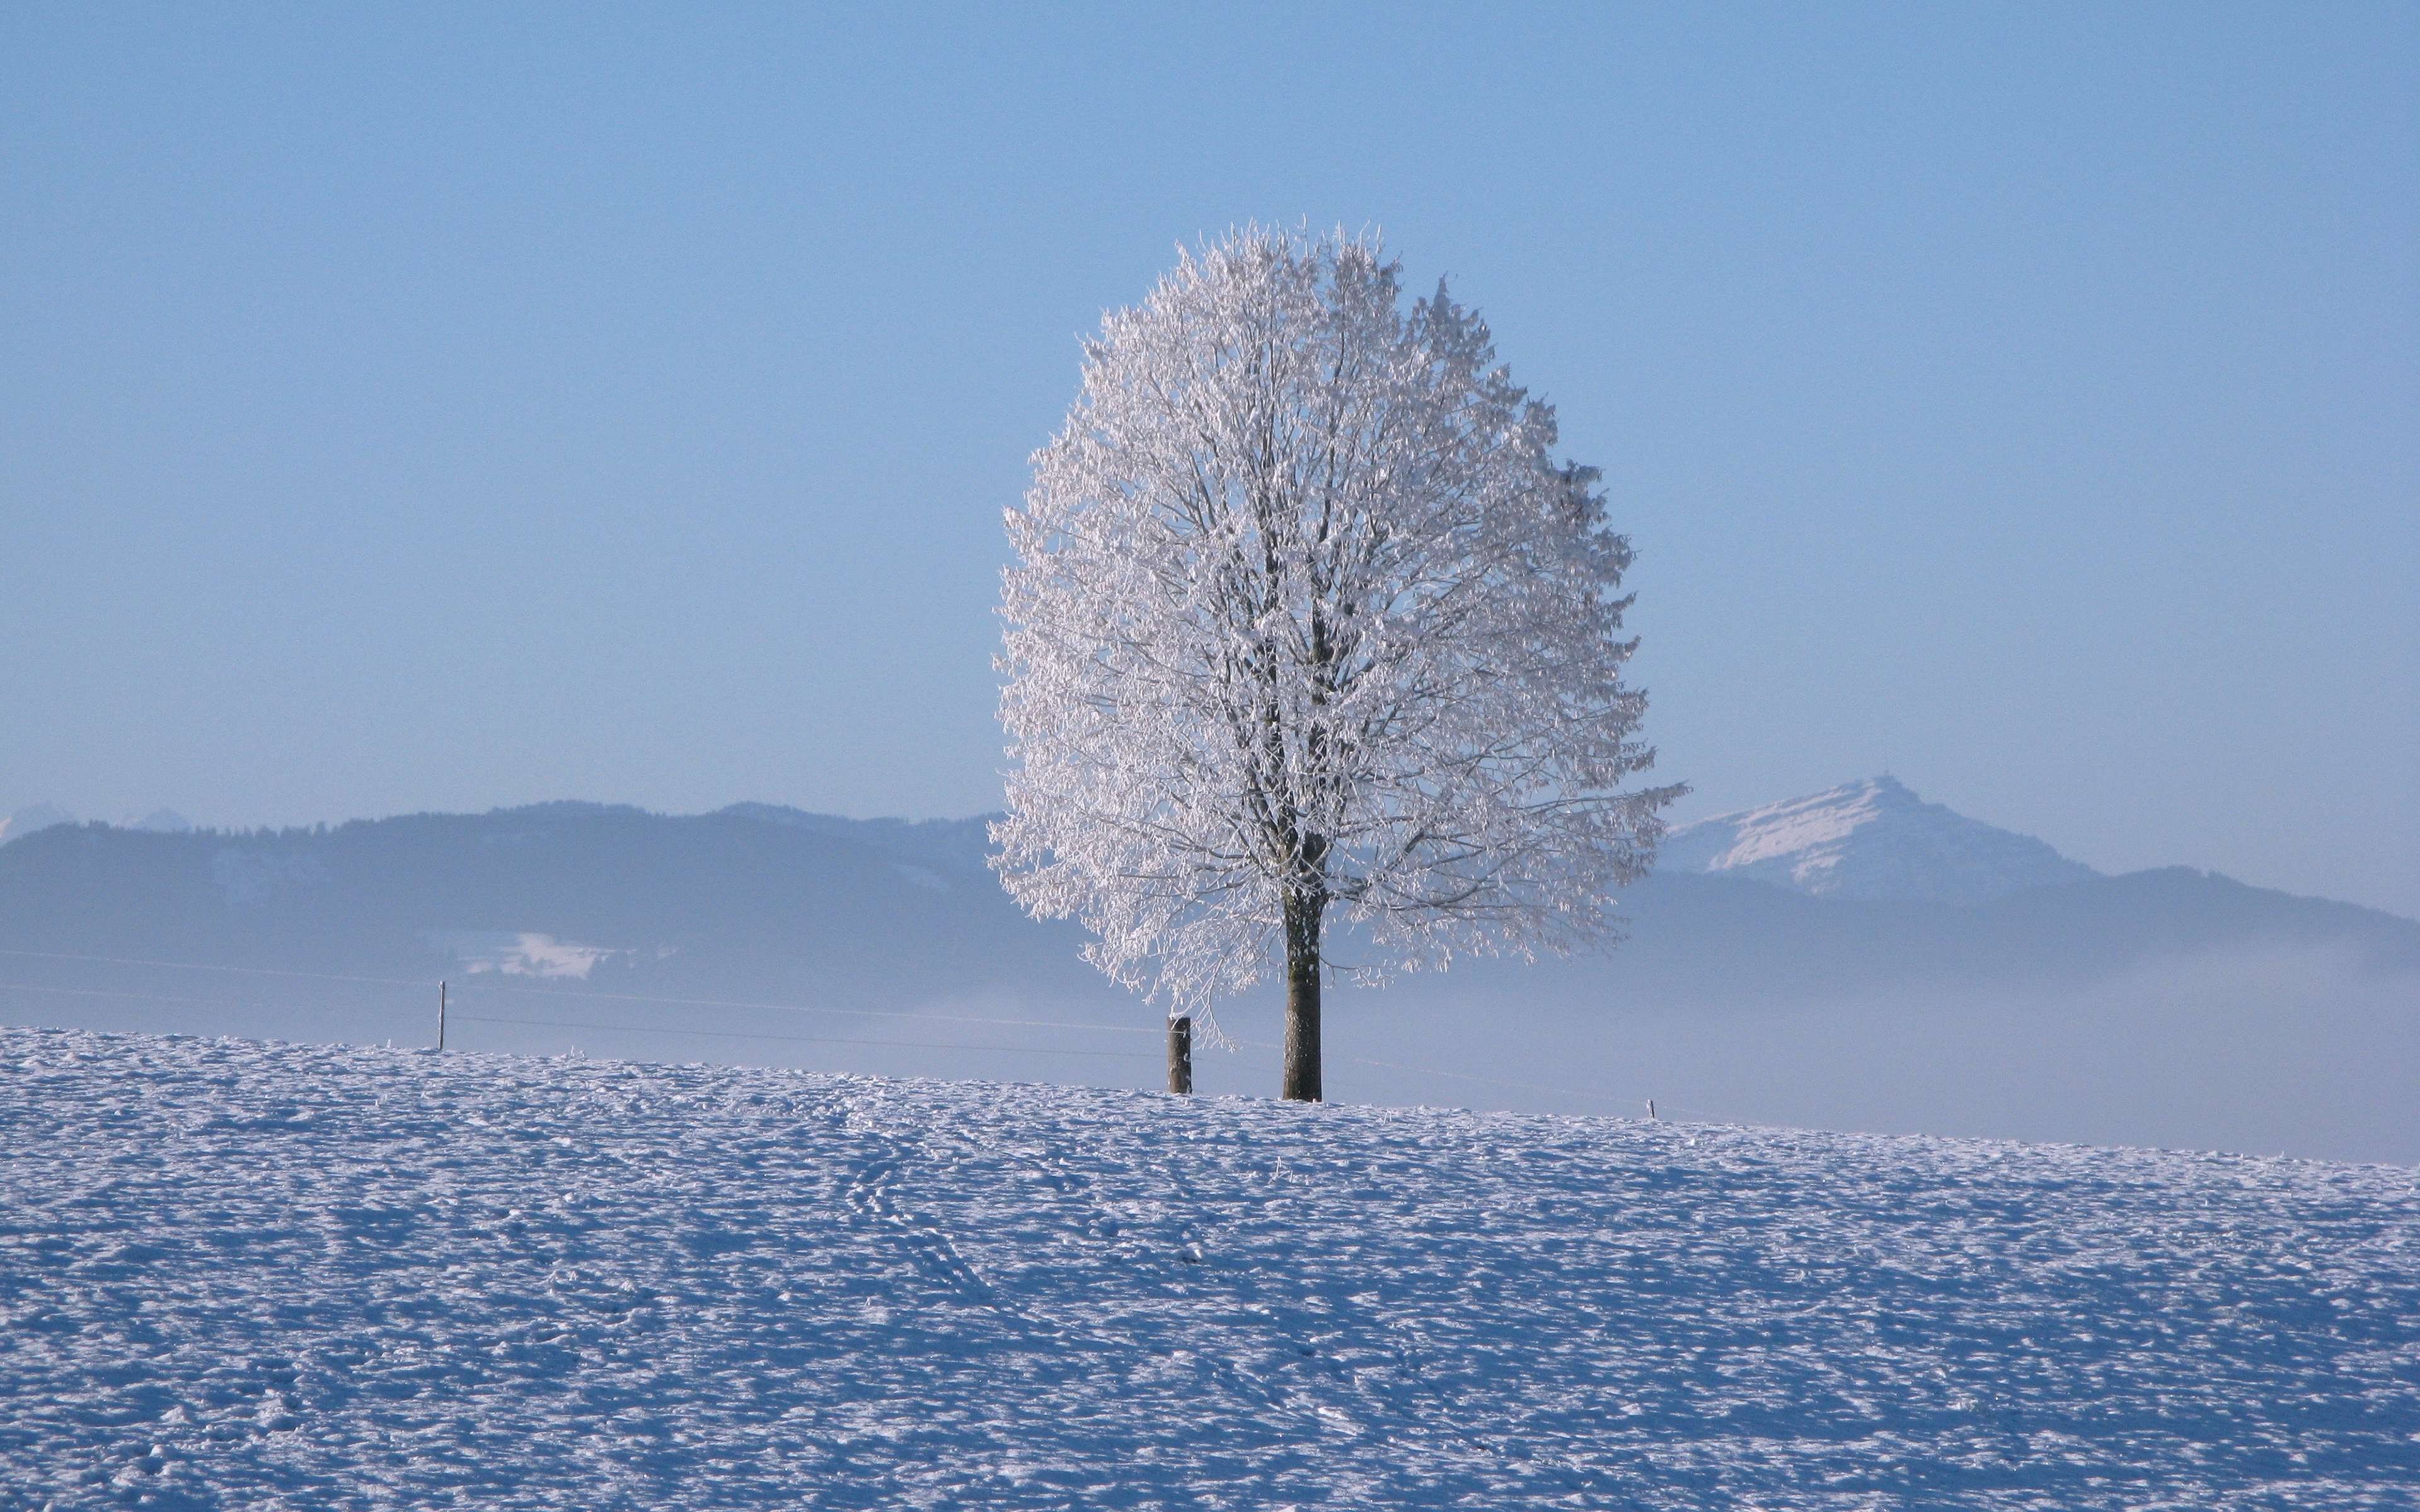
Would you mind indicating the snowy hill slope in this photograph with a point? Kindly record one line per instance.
(1872, 839)
(246, 1276)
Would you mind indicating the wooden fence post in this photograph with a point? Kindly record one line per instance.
(1180, 1055)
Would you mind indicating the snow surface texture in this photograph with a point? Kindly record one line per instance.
(238, 1274)
(1869, 840)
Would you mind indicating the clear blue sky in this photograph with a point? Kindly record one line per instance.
(410, 408)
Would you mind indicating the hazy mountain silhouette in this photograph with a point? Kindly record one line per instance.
(956, 842)
(34, 817)
(552, 919)
(775, 902)
(723, 901)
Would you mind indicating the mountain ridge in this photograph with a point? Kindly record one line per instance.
(1872, 839)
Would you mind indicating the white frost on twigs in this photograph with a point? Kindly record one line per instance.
(1304, 609)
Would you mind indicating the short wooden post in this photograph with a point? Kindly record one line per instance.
(441, 1016)
(1180, 1055)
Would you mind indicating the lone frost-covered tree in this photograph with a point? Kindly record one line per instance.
(1308, 623)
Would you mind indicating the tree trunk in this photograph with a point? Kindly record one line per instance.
(1305, 914)
(1180, 1054)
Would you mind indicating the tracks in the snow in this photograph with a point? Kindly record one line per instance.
(1174, 1235)
(869, 1194)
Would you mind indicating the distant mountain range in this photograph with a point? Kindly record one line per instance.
(1856, 889)
(1843, 908)
(27, 820)
(32, 818)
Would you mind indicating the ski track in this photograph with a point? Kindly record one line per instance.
(236, 1274)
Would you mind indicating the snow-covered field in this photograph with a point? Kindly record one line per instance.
(236, 1274)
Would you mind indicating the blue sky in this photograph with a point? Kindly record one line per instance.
(443, 409)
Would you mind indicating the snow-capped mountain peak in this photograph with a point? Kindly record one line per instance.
(26, 820)
(1868, 840)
